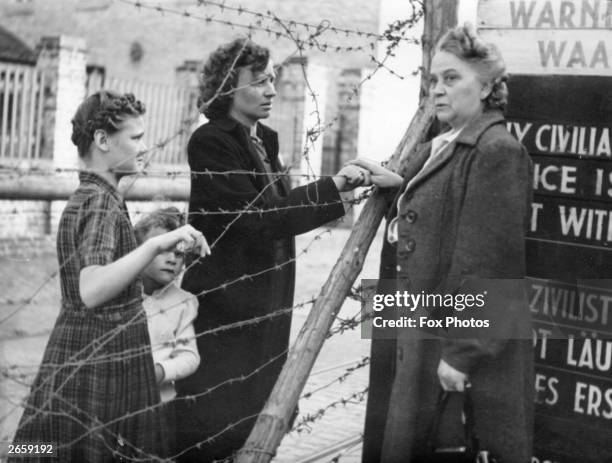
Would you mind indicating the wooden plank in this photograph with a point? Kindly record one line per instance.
(179, 109)
(5, 111)
(14, 104)
(32, 92)
(153, 92)
(173, 124)
(147, 97)
(165, 115)
(184, 124)
(51, 187)
(40, 99)
(21, 129)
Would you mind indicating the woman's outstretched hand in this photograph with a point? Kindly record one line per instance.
(379, 175)
(350, 177)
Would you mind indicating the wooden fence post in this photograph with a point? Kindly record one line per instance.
(272, 422)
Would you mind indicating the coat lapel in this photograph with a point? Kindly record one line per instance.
(436, 164)
(414, 165)
(468, 136)
(241, 133)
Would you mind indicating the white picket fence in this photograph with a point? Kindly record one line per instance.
(21, 108)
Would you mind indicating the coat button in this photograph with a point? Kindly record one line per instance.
(411, 216)
(409, 246)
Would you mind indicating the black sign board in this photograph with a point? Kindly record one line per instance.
(559, 56)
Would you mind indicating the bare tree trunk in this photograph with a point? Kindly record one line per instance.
(272, 422)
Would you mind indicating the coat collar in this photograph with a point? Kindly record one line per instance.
(472, 132)
(229, 124)
(268, 136)
(468, 136)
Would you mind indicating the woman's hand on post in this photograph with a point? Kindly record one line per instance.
(379, 175)
(350, 177)
(186, 238)
(450, 378)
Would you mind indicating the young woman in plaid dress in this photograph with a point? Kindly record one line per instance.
(95, 397)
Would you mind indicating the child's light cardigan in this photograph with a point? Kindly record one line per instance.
(170, 315)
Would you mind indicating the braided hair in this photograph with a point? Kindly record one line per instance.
(104, 110)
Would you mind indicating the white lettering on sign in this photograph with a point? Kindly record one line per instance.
(563, 303)
(593, 357)
(590, 399)
(546, 389)
(583, 141)
(555, 178)
(586, 223)
(519, 129)
(536, 208)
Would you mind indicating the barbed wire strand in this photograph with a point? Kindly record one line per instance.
(110, 335)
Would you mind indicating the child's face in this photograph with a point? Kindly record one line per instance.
(126, 147)
(163, 268)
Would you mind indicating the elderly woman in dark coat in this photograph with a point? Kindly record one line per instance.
(459, 215)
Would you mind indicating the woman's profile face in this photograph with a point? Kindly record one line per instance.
(456, 88)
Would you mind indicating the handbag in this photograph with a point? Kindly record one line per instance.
(470, 452)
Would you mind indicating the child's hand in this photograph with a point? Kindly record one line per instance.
(160, 374)
(185, 239)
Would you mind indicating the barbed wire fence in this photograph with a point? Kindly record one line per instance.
(305, 37)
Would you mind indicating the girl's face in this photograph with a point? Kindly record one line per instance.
(164, 268)
(126, 147)
(457, 89)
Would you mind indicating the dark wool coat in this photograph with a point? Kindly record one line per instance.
(253, 244)
(464, 217)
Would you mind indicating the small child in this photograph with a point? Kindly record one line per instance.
(170, 310)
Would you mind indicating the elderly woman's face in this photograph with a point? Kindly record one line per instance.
(457, 89)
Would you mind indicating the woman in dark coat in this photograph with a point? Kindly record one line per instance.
(457, 225)
(253, 271)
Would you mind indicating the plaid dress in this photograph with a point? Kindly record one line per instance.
(97, 367)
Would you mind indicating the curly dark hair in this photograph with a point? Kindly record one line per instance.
(467, 45)
(169, 218)
(104, 110)
(219, 65)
